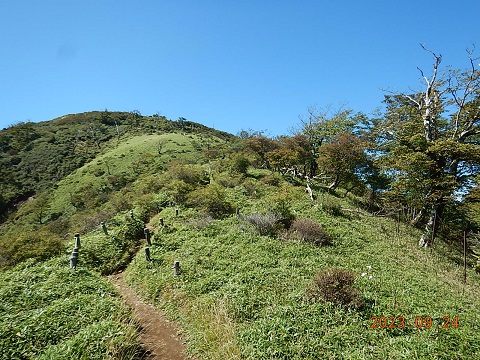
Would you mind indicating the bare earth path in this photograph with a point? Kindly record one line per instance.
(158, 336)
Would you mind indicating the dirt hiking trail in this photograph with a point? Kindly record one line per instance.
(157, 334)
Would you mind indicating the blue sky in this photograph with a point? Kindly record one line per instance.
(232, 65)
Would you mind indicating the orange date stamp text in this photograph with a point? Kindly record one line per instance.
(420, 322)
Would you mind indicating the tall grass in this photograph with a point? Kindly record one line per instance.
(51, 312)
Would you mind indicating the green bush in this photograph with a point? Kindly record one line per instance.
(282, 209)
(333, 208)
(178, 191)
(272, 179)
(188, 173)
(239, 164)
(110, 253)
(211, 200)
(39, 245)
(88, 220)
(335, 286)
(147, 205)
(229, 180)
(250, 188)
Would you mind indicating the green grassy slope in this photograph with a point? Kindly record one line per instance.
(241, 295)
(49, 312)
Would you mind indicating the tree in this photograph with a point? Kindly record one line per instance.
(342, 159)
(260, 146)
(430, 142)
(323, 125)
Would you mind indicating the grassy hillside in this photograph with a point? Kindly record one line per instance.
(50, 312)
(242, 295)
(266, 273)
(127, 173)
(35, 156)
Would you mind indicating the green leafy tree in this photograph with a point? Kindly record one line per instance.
(260, 146)
(342, 160)
(429, 141)
(323, 125)
(292, 153)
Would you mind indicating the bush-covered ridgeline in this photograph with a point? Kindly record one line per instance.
(256, 251)
(35, 156)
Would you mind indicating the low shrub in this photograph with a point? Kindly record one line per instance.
(148, 205)
(211, 200)
(239, 164)
(264, 224)
(333, 209)
(229, 180)
(334, 285)
(178, 191)
(309, 231)
(250, 188)
(39, 245)
(110, 253)
(272, 179)
(282, 208)
(188, 173)
(88, 220)
(201, 222)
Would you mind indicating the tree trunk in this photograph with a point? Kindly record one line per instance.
(335, 183)
(428, 236)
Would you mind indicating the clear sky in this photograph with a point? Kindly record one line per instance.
(228, 64)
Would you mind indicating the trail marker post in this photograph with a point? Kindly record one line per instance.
(176, 268)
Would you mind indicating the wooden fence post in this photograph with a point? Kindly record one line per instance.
(77, 240)
(176, 268)
(104, 228)
(147, 236)
(74, 259)
(147, 254)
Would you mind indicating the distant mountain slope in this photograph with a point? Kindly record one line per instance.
(34, 156)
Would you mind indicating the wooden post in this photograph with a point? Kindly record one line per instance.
(464, 257)
(147, 254)
(104, 228)
(176, 268)
(77, 241)
(147, 236)
(74, 259)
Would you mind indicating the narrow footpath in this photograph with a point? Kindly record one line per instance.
(157, 335)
